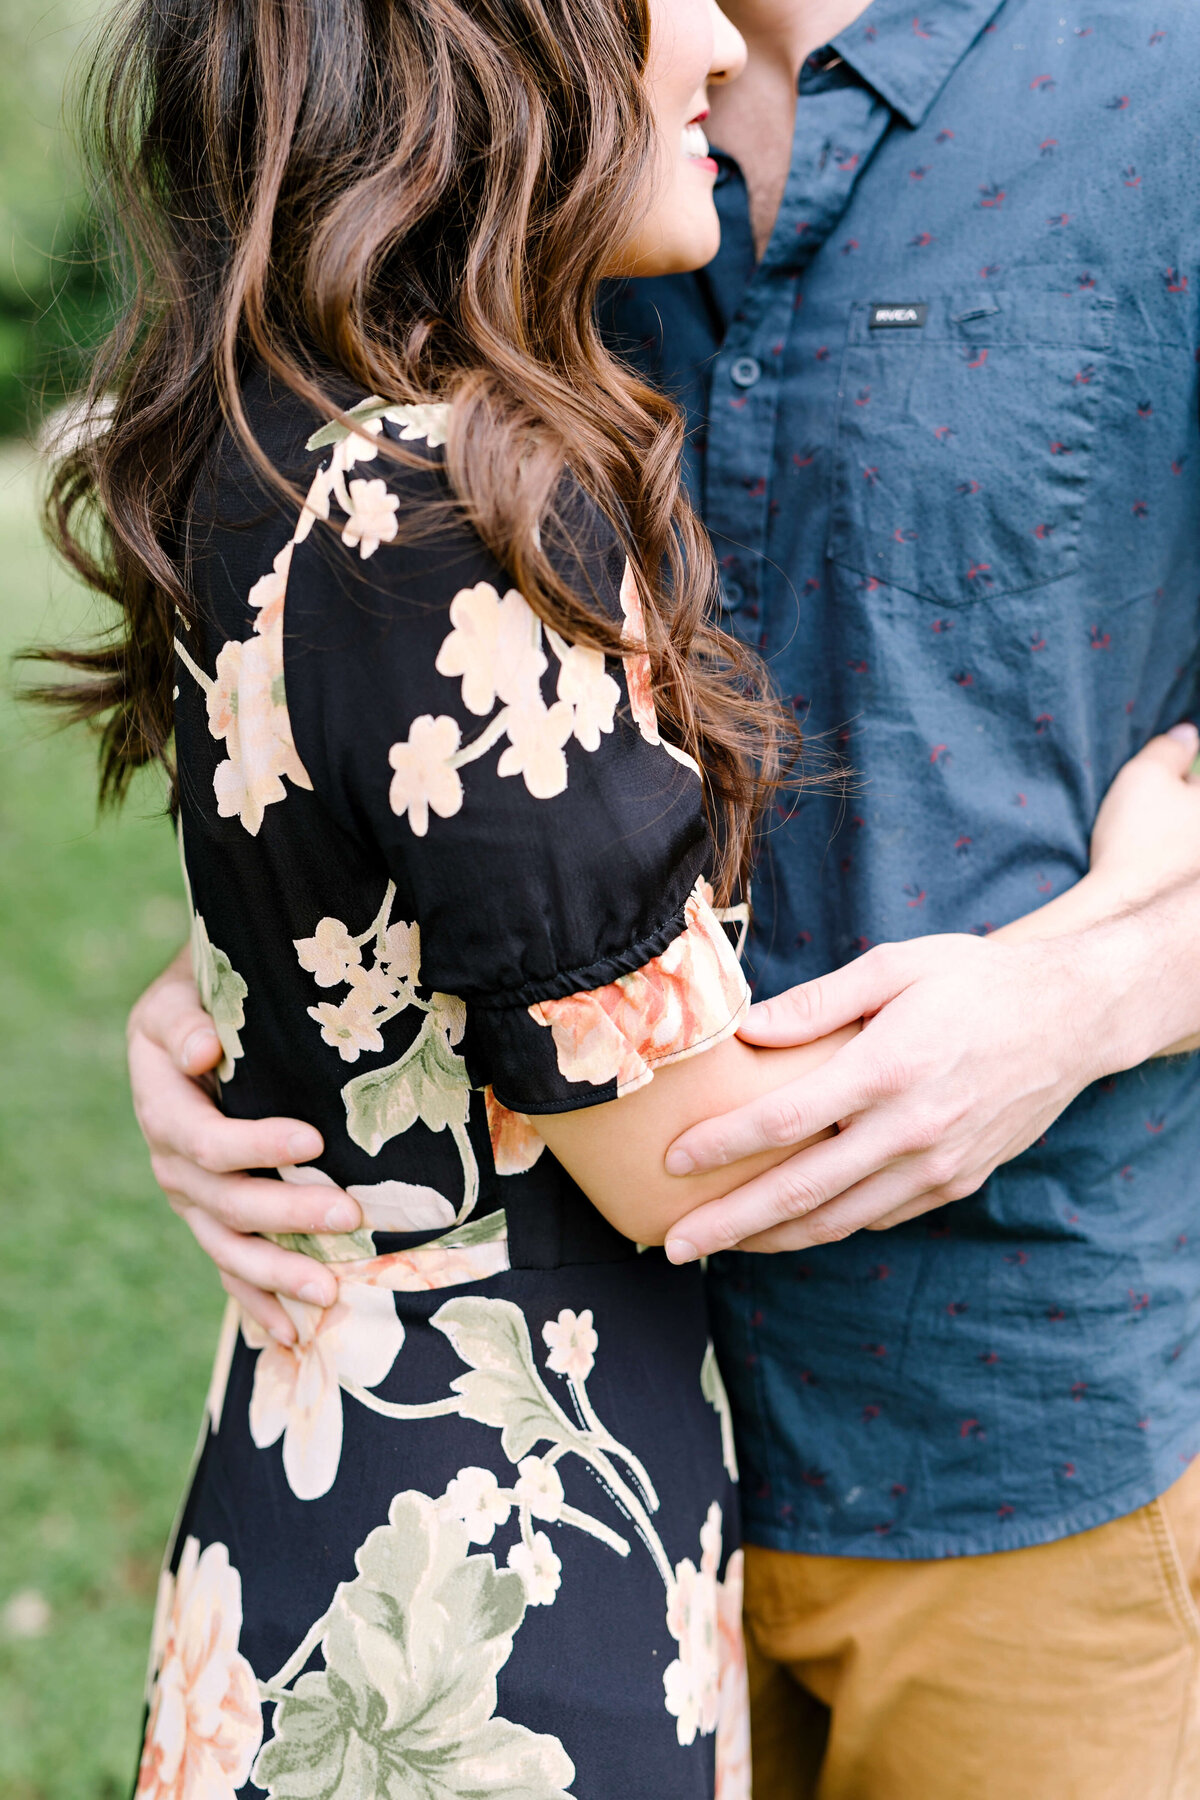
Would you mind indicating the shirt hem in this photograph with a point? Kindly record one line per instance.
(913, 1546)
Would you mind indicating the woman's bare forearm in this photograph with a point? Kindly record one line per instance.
(615, 1151)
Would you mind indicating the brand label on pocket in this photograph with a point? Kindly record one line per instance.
(898, 318)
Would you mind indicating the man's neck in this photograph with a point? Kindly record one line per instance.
(754, 117)
(788, 31)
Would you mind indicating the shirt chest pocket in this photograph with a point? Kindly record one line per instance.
(965, 440)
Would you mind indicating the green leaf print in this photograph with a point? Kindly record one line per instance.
(404, 1708)
(503, 1387)
(486, 1230)
(222, 992)
(335, 431)
(327, 1246)
(429, 1082)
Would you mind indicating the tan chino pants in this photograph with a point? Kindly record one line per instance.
(1070, 1671)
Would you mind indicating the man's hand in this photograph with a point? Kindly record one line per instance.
(971, 1046)
(970, 1050)
(199, 1158)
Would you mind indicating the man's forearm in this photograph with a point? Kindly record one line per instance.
(1138, 964)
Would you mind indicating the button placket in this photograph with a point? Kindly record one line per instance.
(744, 406)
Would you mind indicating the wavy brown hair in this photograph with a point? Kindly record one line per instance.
(421, 195)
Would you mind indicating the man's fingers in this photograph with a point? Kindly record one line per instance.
(261, 1264)
(169, 1013)
(886, 1194)
(261, 1306)
(177, 1116)
(787, 1193)
(818, 1007)
(245, 1203)
(787, 1115)
(1176, 749)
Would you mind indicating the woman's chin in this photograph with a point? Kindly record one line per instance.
(691, 245)
(684, 236)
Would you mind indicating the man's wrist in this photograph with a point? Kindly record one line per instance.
(1131, 1004)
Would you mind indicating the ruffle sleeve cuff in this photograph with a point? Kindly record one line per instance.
(601, 1043)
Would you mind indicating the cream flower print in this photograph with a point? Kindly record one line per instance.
(637, 662)
(495, 647)
(536, 735)
(349, 1028)
(585, 684)
(298, 1387)
(538, 1567)
(372, 519)
(205, 1723)
(733, 1726)
(690, 997)
(475, 1497)
(247, 709)
(428, 1081)
(425, 775)
(693, 1681)
(401, 955)
(329, 954)
(431, 422)
(439, 1265)
(572, 1344)
(538, 1487)
(247, 705)
(386, 1206)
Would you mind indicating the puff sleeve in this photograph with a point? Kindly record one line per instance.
(550, 847)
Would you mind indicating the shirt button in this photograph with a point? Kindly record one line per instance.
(732, 595)
(745, 371)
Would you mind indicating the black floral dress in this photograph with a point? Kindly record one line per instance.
(474, 1533)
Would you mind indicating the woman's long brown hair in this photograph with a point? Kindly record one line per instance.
(422, 194)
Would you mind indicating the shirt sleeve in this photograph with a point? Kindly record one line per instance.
(549, 845)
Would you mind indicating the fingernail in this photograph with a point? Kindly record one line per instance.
(286, 1338)
(680, 1251)
(1184, 733)
(678, 1162)
(302, 1145)
(342, 1216)
(315, 1294)
(200, 1046)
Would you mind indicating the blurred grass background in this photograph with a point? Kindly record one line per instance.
(108, 1313)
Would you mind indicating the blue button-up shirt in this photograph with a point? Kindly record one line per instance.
(945, 435)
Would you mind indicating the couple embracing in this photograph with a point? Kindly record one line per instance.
(482, 668)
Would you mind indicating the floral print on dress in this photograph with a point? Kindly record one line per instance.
(495, 649)
(298, 1387)
(205, 1723)
(247, 710)
(516, 1146)
(638, 674)
(246, 701)
(733, 1723)
(693, 1681)
(406, 1703)
(377, 1711)
(688, 999)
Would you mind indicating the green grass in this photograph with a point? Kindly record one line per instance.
(108, 1312)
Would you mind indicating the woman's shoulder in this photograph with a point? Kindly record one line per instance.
(371, 478)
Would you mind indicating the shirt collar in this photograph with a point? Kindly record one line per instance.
(908, 49)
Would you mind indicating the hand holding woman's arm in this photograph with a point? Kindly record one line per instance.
(200, 1158)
